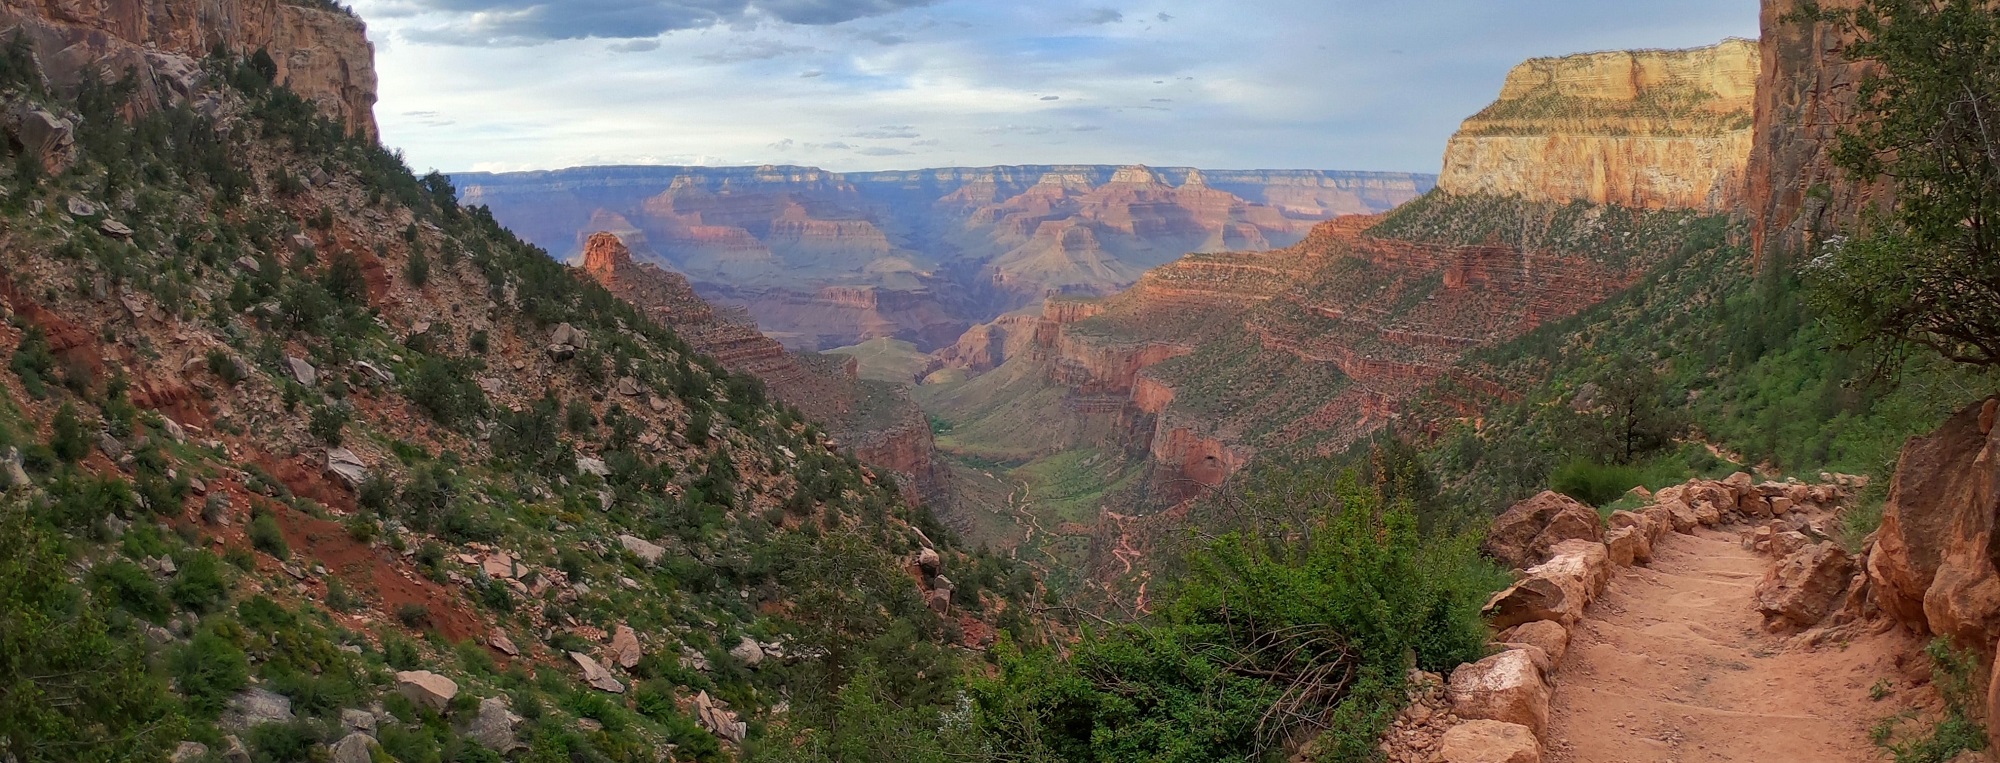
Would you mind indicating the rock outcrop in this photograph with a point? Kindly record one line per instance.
(878, 422)
(1525, 533)
(322, 55)
(1932, 565)
(1802, 590)
(1645, 129)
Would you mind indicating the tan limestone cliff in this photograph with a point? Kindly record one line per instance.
(1645, 129)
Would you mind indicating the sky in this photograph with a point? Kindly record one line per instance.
(855, 85)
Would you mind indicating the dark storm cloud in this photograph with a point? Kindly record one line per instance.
(525, 22)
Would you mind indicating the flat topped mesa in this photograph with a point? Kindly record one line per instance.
(1652, 129)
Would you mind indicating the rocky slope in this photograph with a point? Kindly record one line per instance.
(876, 420)
(323, 55)
(823, 259)
(1643, 129)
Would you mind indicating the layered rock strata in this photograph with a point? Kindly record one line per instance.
(322, 55)
(1644, 129)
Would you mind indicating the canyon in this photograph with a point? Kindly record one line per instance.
(823, 259)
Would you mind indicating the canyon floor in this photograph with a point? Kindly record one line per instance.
(1673, 665)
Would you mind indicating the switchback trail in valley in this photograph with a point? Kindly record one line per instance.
(1673, 665)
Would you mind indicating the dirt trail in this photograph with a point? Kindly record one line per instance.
(1673, 665)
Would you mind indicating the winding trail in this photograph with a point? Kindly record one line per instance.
(1673, 665)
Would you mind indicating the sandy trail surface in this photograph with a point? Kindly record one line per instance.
(1673, 665)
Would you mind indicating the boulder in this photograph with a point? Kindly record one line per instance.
(748, 652)
(1708, 514)
(625, 649)
(1803, 589)
(12, 473)
(114, 229)
(595, 674)
(301, 371)
(1628, 546)
(1681, 517)
(1660, 521)
(628, 386)
(1933, 567)
(929, 561)
(80, 207)
(648, 552)
(374, 373)
(48, 138)
(234, 751)
(1551, 637)
(493, 728)
(254, 707)
(498, 640)
(1487, 741)
(588, 465)
(1787, 543)
(1741, 484)
(1556, 590)
(358, 720)
(354, 748)
(565, 341)
(188, 752)
(342, 464)
(718, 719)
(426, 688)
(1523, 535)
(1507, 687)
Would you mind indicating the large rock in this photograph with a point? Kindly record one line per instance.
(1549, 636)
(354, 748)
(1627, 546)
(1485, 741)
(45, 136)
(625, 647)
(718, 719)
(254, 707)
(302, 371)
(345, 466)
(1508, 687)
(1933, 566)
(1556, 590)
(426, 688)
(493, 728)
(12, 473)
(647, 552)
(1523, 535)
(1803, 589)
(1681, 516)
(595, 674)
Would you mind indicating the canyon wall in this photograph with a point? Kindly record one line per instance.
(1643, 129)
(824, 259)
(878, 422)
(322, 55)
(1806, 94)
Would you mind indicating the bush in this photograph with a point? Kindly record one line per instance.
(200, 586)
(327, 423)
(211, 668)
(266, 537)
(69, 438)
(131, 588)
(1593, 483)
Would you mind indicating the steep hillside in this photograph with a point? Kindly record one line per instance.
(823, 259)
(305, 460)
(1643, 129)
(873, 419)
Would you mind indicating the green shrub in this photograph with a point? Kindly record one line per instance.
(130, 587)
(327, 423)
(34, 363)
(211, 667)
(1593, 483)
(69, 438)
(200, 586)
(266, 537)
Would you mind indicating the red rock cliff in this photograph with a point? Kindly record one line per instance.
(324, 56)
(1806, 93)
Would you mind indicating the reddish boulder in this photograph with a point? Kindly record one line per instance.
(1484, 741)
(1556, 590)
(1628, 546)
(1508, 687)
(1803, 589)
(1932, 566)
(1524, 535)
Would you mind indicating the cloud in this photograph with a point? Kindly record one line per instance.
(755, 50)
(888, 133)
(1102, 16)
(527, 22)
(1052, 98)
(1164, 17)
(783, 145)
(634, 46)
(811, 73)
(882, 151)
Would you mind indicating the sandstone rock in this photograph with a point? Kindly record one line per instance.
(254, 707)
(374, 373)
(565, 341)
(647, 552)
(1681, 516)
(47, 137)
(493, 728)
(718, 719)
(1785, 544)
(1628, 546)
(1708, 514)
(80, 207)
(499, 640)
(1932, 567)
(929, 561)
(1549, 636)
(234, 751)
(354, 748)
(1803, 589)
(595, 674)
(625, 649)
(1660, 522)
(345, 466)
(1488, 741)
(939, 601)
(426, 688)
(188, 751)
(1524, 534)
(358, 720)
(302, 371)
(748, 652)
(596, 466)
(1740, 483)
(628, 386)
(114, 229)
(1505, 687)
(12, 473)
(1557, 590)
